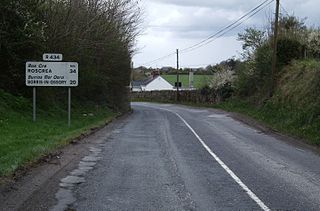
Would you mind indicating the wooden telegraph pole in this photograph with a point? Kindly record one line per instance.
(178, 94)
(275, 45)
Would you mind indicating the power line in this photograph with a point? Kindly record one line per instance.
(220, 33)
(235, 26)
(159, 59)
(230, 27)
(225, 28)
(197, 65)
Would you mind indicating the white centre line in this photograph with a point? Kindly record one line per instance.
(252, 195)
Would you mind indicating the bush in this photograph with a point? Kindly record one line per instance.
(243, 82)
(288, 49)
(225, 91)
(254, 76)
(99, 36)
(21, 38)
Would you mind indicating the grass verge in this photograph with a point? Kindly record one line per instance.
(23, 141)
(286, 120)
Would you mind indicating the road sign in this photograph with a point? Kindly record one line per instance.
(52, 57)
(176, 83)
(52, 74)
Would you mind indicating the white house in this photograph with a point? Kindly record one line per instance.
(156, 83)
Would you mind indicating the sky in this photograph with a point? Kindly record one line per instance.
(178, 24)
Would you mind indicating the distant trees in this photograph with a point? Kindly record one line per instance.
(100, 35)
(294, 43)
(251, 76)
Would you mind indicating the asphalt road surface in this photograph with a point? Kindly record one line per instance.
(168, 157)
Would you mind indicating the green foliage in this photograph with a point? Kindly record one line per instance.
(21, 37)
(22, 141)
(253, 77)
(288, 50)
(313, 44)
(244, 82)
(292, 28)
(262, 67)
(279, 117)
(99, 36)
(295, 106)
(299, 86)
(252, 39)
(226, 91)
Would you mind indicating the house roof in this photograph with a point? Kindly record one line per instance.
(143, 82)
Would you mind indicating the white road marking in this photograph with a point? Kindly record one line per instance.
(226, 168)
(252, 195)
(217, 116)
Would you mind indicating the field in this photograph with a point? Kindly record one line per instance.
(199, 80)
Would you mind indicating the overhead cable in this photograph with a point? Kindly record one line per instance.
(230, 27)
(220, 33)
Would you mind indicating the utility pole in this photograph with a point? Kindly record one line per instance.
(275, 45)
(131, 68)
(178, 94)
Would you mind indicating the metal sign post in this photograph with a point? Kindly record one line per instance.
(34, 102)
(69, 106)
(52, 72)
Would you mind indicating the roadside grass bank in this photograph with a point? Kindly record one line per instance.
(290, 121)
(293, 109)
(22, 141)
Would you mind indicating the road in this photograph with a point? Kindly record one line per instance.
(169, 157)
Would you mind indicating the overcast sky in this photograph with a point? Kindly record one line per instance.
(172, 24)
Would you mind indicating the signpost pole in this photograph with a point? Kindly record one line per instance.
(34, 99)
(178, 94)
(52, 72)
(69, 106)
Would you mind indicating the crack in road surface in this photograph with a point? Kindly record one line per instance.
(65, 195)
(168, 157)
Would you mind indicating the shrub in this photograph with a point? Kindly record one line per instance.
(288, 49)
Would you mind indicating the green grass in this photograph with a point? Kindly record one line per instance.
(199, 80)
(294, 108)
(23, 141)
(294, 122)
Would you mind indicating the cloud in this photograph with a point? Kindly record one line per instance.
(189, 22)
(210, 54)
(172, 24)
(229, 4)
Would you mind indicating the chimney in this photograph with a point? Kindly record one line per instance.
(155, 73)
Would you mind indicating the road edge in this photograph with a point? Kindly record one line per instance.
(15, 191)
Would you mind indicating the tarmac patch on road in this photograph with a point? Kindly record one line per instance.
(65, 196)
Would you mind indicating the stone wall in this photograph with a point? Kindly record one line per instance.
(190, 96)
